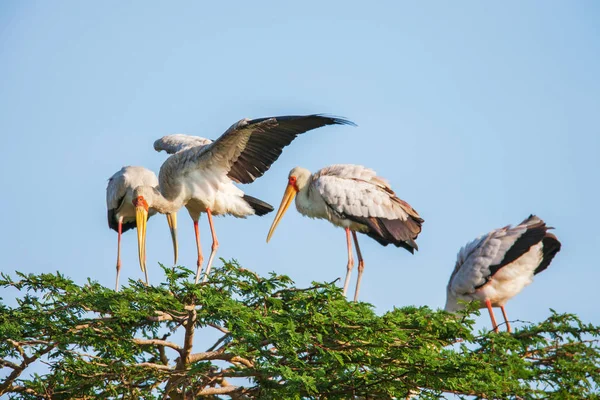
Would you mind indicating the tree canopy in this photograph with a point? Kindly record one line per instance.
(274, 341)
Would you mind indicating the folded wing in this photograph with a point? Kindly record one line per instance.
(358, 194)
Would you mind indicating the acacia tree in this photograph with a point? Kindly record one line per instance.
(274, 341)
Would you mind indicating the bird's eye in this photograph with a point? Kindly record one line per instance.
(292, 180)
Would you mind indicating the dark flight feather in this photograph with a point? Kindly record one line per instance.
(266, 144)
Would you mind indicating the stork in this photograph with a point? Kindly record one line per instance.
(119, 197)
(495, 267)
(200, 174)
(355, 198)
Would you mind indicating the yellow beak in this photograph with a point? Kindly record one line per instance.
(288, 197)
(172, 220)
(141, 218)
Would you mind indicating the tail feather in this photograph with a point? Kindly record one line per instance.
(551, 246)
(260, 207)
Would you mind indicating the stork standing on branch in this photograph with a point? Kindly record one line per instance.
(495, 267)
(200, 174)
(355, 198)
(121, 212)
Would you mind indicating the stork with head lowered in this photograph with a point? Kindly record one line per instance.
(121, 212)
(200, 174)
(495, 267)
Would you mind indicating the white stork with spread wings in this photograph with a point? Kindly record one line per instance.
(119, 197)
(200, 175)
(355, 198)
(495, 267)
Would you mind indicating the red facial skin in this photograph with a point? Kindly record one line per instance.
(292, 182)
(140, 202)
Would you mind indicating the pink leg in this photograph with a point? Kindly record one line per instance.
(119, 232)
(200, 256)
(361, 266)
(214, 247)
(350, 261)
(488, 304)
(508, 328)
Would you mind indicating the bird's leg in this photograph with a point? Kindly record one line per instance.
(361, 266)
(508, 328)
(214, 247)
(488, 304)
(119, 232)
(200, 256)
(350, 261)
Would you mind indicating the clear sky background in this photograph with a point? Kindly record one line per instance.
(478, 114)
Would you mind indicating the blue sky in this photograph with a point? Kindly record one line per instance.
(478, 114)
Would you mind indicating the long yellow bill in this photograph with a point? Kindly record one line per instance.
(172, 220)
(288, 197)
(141, 218)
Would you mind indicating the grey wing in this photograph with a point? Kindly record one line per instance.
(357, 193)
(357, 198)
(177, 142)
(479, 260)
(116, 189)
(115, 195)
(249, 147)
(472, 268)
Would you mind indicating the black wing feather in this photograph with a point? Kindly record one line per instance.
(392, 231)
(113, 223)
(389, 231)
(551, 246)
(266, 144)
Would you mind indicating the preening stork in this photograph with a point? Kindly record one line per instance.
(200, 174)
(355, 198)
(121, 212)
(495, 267)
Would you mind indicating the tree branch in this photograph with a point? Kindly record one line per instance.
(9, 364)
(220, 390)
(7, 384)
(157, 342)
(155, 366)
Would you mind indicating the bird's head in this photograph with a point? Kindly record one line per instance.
(145, 199)
(297, 180)
(299, 177)
(145, 193)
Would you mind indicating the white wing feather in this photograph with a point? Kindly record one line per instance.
(356, 190)
(116, 189)
(475, 259)
(179, 142)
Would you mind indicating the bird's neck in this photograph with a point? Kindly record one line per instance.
(303, 202)
(164, 206)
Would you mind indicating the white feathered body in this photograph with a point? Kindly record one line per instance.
(200, 189)
(345, 189)
(119, 194)
(481, 272)
(201, 173)
(353, 196)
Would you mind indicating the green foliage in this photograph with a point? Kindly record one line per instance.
(287, 342)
